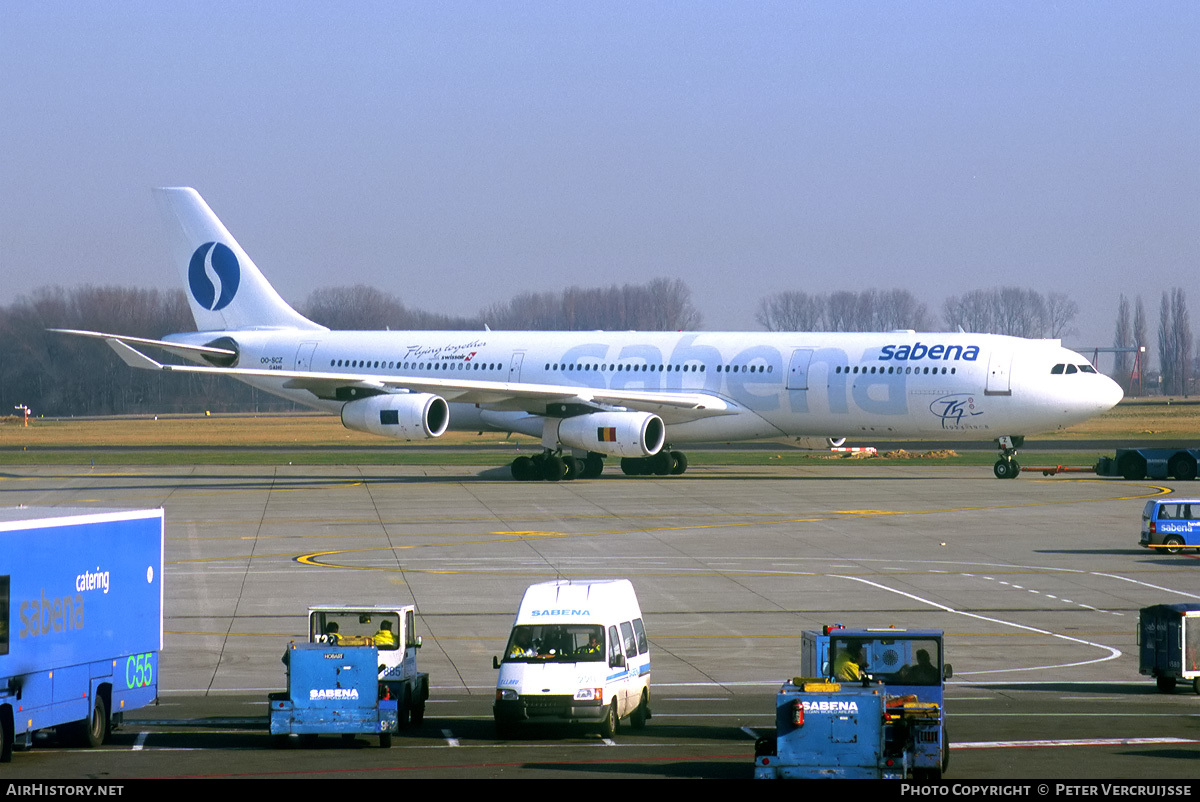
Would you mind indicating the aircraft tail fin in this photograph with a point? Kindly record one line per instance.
(224, 287)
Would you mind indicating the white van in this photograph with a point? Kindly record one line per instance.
(577, 653)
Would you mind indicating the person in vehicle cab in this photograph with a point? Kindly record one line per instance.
(850, 663)
(385, 637)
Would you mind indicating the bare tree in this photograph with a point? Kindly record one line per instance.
(1174, 342)
(1011, 310)
(660, 305)
(1122, 338)
(845, 310)
(790, 311)
(1061, 312)
(364, 308)
(1141, 339)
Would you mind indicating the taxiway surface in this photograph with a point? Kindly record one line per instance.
(1037, 583)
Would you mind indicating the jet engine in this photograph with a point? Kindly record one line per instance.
(618, 434)
(404, 416)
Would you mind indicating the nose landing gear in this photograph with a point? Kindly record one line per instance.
(1007, 466)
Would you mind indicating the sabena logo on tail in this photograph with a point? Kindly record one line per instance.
(214, 275)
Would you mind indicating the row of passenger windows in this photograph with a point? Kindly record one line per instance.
(366, 363)
(1057, 369)
(892, 369)
(689, 368)
(692, 368)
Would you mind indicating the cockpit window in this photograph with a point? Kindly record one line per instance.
(1072, 369)
(1057, 369)
(1086, 369)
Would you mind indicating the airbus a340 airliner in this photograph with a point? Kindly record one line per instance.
(595, 394)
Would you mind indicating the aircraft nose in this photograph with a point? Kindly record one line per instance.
(1108, 394)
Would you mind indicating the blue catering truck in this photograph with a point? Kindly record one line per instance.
(80, 620)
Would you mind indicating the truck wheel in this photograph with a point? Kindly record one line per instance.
(1195, 689)
(1173, 544)
(608, 728)
(637, 719)
(404, 710)
(1183, 467)
(945, 749)
(92, 731)
(385, 740)
(1165, 684)
(6, 735)
(1133, 467)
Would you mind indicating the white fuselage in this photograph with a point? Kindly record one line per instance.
(896, 384)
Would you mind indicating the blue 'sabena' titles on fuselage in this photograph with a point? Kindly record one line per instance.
(919, 350)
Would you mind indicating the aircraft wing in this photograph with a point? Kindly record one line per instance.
(671, 406)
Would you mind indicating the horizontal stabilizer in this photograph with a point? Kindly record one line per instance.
(179, 348)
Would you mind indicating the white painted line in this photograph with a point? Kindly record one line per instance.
(1072, 742)
(140, 742)
(450, 739)
(1112, 653)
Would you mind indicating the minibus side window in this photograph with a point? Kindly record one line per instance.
(614, 644)
(630, 640)
(643, 645)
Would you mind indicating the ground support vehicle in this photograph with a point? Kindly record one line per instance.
(333, 689)
(908, 665)
(578, 652)
(1171, 524)
(392, 631)
(845, 730)
(80, 620)
(1154, 463)
(1169, 644)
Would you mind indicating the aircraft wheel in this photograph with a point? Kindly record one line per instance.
(1003, 469)
(681, 463)
(660, 464)
(593, 466)
(573, 469)
(523, 469)
(633, 466)
(553, 469)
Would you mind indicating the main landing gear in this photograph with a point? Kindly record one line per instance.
(664, 463)
(1007, 466)
(551, 467)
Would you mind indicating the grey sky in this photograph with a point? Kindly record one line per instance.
(458, 153)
